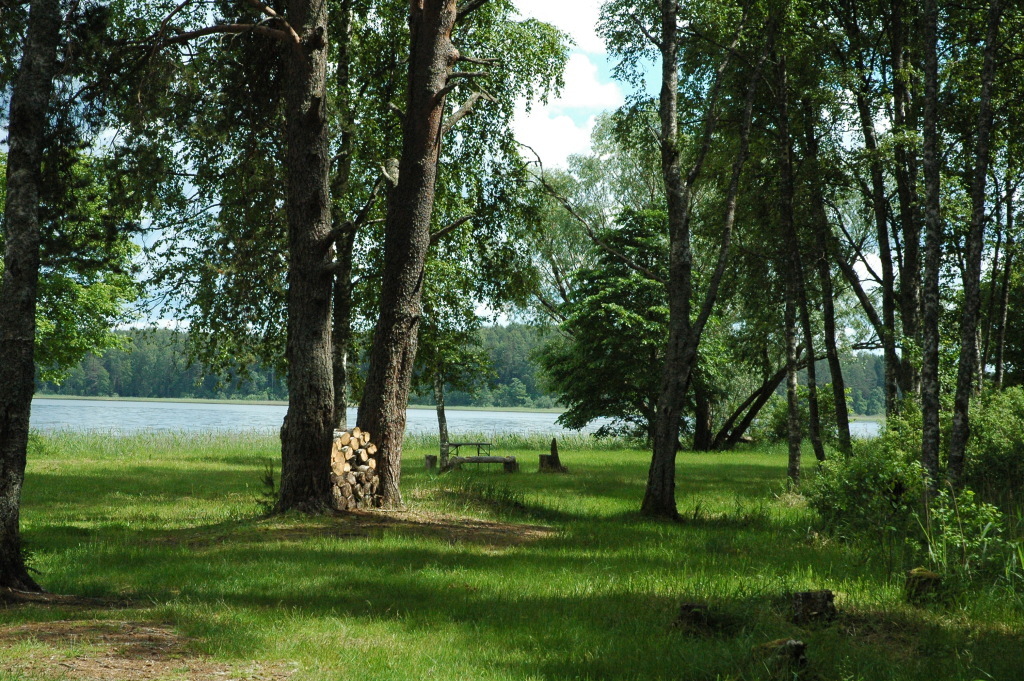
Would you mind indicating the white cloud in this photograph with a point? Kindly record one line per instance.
(563, 127)
(554, 137)
(578, 18)
(584, 90)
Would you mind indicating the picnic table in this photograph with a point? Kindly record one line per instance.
(479, 447)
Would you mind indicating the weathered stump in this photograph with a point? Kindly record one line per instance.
(549, 463)
(922, 586)
(431, 462)
(511, 466)
(814, 607)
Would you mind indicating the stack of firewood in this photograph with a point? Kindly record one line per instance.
(353, 470)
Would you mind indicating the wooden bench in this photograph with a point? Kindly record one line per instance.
(509, 462)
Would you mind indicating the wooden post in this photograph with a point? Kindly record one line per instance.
(549, 463)
(431, 462)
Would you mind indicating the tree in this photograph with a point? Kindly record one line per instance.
(87, 258)
(410, 206)
(968, 362)
(614, 328)
(29, 102)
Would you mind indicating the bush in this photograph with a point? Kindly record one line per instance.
(995, 457)
(878, 488)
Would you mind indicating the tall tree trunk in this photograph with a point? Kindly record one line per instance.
(906, 192)
(796, 274)
(792, 399)
(407, 239)
(342, 312)
(822, 232)
(1004, 295)
(309, 423)
(28, 114)
(975, 242)
(442, 420)
(659, 497)
(885, 326)
(341, 345)
(684, 338)
(989, 327)
(879, 208)
(931, 309)
(702, 434)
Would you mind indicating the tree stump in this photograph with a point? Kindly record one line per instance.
(511, 466)
(922, 586)
(787, 656)
(814, 607)
(549, 463)
(431, 462)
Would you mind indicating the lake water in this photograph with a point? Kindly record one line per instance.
(127, 416)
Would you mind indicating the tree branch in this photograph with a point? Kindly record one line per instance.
(592, 235)
(445, 231)
(465, 110)
(362, 215)
(234, 29)
(467, 8)
(643, 29)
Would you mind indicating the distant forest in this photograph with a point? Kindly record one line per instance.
(154, 363)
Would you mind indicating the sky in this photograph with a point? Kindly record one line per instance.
(563, 126)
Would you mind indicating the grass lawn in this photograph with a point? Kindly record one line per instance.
(170, 572)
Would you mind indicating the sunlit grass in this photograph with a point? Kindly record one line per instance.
(488, 576)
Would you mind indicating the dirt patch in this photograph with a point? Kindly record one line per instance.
(109, 650)
(363, 524)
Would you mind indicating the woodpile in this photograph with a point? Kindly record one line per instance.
(353, 470)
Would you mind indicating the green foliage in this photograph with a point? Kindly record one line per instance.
(614, 332)
(995, 452)
(88, 272)
(878, 489)
(775, 422)
(964, 538)
(155, 363)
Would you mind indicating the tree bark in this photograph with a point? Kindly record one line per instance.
(659, 497)
(879, 207)
(442, 420)
(792, 399)
(975, 243)
(909, 294)
(342, 312)
(931, 309)
(885, 326)
(796, 273)
(308, 428)
(821, 237)
(28, 115)
(702, 433)
(407, 239)
(1004, 295)
(684, 337)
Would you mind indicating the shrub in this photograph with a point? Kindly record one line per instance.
(995, 457)
(878, 488)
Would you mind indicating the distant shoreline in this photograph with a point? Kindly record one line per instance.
(272, 403)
